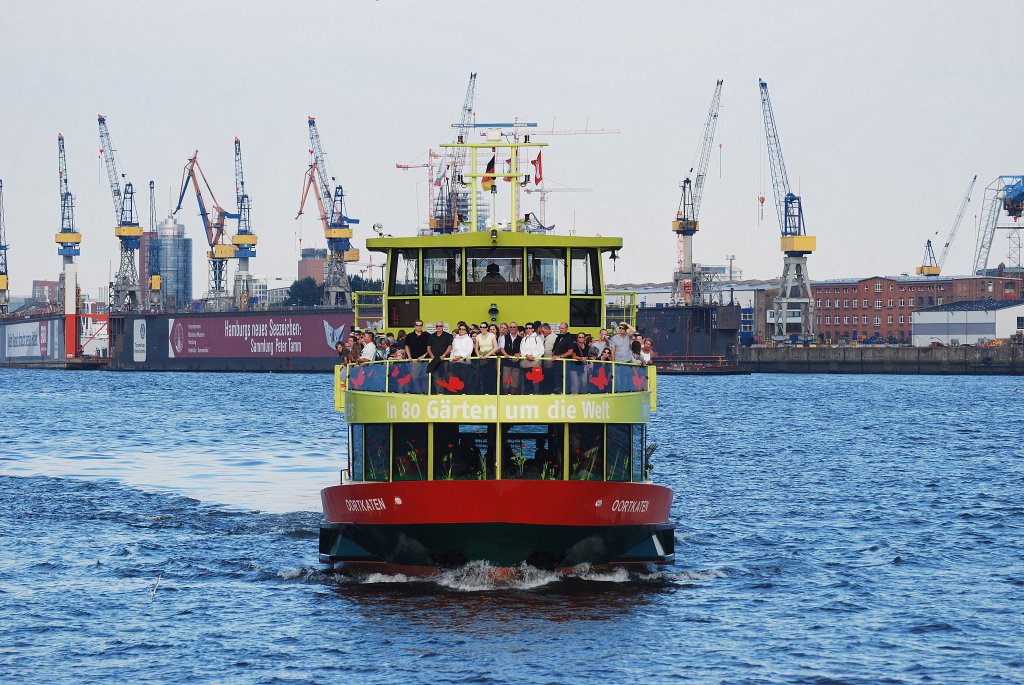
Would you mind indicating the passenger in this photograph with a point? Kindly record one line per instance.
(356, 349)
(647, 352)
(634, 348)
(532, 349)
(369, 351)
(493, 275)
(462, 345)
(511, 375)
(578, 375)
(487, 342)
(439, 346)
(417, 347)
(552, 377)
(620, 344)
(601, 343)
(340, 347)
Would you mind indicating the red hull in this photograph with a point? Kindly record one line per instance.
(536, 502)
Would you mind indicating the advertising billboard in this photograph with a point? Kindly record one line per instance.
(269, 336)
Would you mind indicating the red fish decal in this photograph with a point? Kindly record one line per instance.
(395, 370)
(507, 380)
(404, 380)
(600, 380)
(356, 381)
(535, 375)
(638, 380)
(453, 384)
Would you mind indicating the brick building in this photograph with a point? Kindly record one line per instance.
(880, 307)
(313, 264)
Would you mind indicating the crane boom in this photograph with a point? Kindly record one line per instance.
(956, 222)
(705, 148)
(321, 165)
(213, 224)
(445, 209)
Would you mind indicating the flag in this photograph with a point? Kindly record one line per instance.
(508, 166)
(538, 171)
(487, 182)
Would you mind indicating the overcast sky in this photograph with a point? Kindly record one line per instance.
(885, 110)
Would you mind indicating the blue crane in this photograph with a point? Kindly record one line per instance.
(337, 226)
(68, 240)
(794, 288)
(124, 291)
(244, 239)
(213, 223)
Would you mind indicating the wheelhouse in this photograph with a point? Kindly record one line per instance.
(493, 277)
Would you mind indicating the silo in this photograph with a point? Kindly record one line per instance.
(175, 265)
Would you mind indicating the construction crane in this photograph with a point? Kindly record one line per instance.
(337, 226)
(429, 165)
(5, 297)
(544, 192)
(452, 200)
(153, 254)
(244, 239)
(1004, 194)
(213, 223)
(794, 288)
(68, 240)
(124, 291)
(930, 266)
(686, 282)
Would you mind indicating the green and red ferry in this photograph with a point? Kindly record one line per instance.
(498, 460)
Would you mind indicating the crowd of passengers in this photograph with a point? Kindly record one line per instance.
(533, 341)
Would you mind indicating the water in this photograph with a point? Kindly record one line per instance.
(162, 528)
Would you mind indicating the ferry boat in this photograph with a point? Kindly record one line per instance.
(500, 460)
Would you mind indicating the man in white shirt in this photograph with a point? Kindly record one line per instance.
(369, 349)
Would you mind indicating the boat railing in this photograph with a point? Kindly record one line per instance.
(495, 376)
(622, 308)
(368, 305)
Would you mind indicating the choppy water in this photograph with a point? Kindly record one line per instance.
(162, 528)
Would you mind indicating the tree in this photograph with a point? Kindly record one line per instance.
(365, 284)
(304, 293)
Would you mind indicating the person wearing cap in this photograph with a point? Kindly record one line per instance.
(621, 344)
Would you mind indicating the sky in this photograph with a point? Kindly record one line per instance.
(884, 110)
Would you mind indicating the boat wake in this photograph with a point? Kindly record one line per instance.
(479, 576)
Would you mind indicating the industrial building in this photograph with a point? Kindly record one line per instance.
(313, 264)
(968, 323)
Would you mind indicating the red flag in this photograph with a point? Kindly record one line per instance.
(488, 181)
(538, 175)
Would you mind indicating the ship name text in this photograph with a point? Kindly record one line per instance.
(372, 504)
(631, 506)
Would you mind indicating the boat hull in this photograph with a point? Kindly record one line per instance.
(425, 526)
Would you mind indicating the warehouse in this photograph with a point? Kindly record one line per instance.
(968, 323)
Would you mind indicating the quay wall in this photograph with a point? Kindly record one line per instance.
(1006, 360)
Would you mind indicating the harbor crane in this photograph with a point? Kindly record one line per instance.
(686, 282)
(337, 226)
(794, 288)
(124, 291)
(153, 254)
(244, 239)
(1004, 194)
(5, 297)
(213, 223)
(930, 266)
(451, 199)
(69, 240)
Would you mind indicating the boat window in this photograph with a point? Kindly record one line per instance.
(586, 451)
(377, 451)
(532, 452)
(584, 311)
(639, 456)
(442, 272)
(584, 276)
(545, 269)
(464, 452)
(355, 447)
(619, 441)
(404, 273)
(409, 456)
(494, 271)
